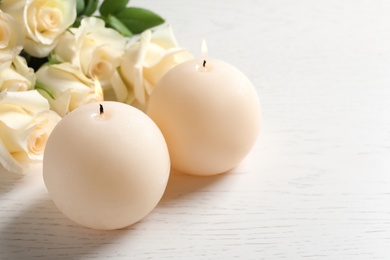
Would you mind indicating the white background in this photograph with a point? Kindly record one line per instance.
(315, 186)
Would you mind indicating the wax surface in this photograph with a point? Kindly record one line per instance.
(109, 171)
(210, 116)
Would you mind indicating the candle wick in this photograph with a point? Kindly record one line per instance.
(101, 109)
(204, 63)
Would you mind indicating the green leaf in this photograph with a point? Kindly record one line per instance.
(40, 88)
(90, 7)
(112, 7)
(138, 20)
(52, 60)
(114, 23)
(77, 22)
(80, 5)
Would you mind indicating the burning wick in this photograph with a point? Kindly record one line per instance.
(98, 90)
(204, 63)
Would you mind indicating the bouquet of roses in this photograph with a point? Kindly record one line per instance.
(51, 52)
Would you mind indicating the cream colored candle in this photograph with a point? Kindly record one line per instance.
(106, 167)
(209, 114)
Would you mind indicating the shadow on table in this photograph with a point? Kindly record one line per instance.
(8, 181)
(42, 231)
(181, 185)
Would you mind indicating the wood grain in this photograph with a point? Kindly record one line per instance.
(315, 186)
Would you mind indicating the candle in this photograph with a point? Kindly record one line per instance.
(106, 165)
(209, 114)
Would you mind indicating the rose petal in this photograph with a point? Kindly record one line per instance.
(30, 101)
(153, 55)
(7, 161)
(164, 38)
(70, 87)
(14, 117)
(65, 48)
(145, 62)
(119, 87)
(154, 73)
(20, 65)
(39, 134)
(142, 49)
(103, 63)
(12, 81)
(93, 34)
(11, 37)
(43, 21)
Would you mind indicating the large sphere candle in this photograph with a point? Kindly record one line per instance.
(209, 114)
(107, 166)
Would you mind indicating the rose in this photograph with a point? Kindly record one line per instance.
(17, 76)
(43, 21)
(65, 86)
(144, 63)
(25, 125)
(92, 47)
(11, 39)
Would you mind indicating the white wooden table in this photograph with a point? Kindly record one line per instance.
(315, 186)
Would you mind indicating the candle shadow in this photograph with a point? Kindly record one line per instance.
(42, 231)
(182, 185)
(8, 181)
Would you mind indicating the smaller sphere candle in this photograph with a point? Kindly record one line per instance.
(209, 114)
(106, 165)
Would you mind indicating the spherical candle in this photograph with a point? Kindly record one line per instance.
(209, 114)
(106, 166)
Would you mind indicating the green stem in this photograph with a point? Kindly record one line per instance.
(40, 87)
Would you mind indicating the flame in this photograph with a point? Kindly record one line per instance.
(98, 90)
(204, 49)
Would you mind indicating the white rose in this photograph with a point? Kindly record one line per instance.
(144, 63)
(92, 47)
(66, 87)
(11, 39)
(43, 21)
(17, 76)
(25, 125)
